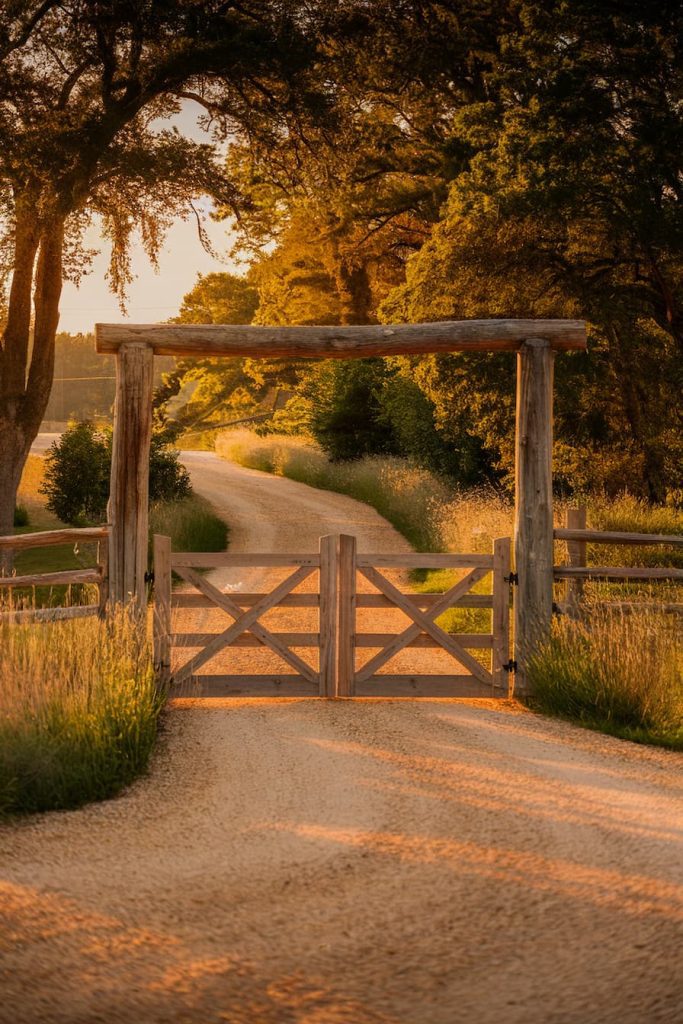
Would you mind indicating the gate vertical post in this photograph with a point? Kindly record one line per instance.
(346, 665)
(577, 551)
(533, 501)
(500, 655)
(328, 615)
(129, 489)
(161, 626)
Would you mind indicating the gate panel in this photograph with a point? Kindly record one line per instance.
(422, 610)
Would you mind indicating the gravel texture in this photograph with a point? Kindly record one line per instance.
(365, 862)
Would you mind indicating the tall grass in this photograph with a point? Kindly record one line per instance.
(191, 524)
(622, 674)
(78, 711)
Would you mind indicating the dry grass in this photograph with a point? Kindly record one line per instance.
(78, 711)
(622, 674)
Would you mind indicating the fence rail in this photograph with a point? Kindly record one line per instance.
(98, 575)
(578, 537)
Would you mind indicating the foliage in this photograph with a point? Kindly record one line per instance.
(77, 471)
(622, 674)
(76, 483)
(21, 517)
(78, 712)
(191, 524)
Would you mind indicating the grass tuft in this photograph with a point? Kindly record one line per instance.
(191, 524)
(78, 712)
(621, 674)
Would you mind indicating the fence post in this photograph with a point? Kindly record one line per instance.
(129, 490)
(533, 501)
(328, 615)
(500, 655)
(161, 626)
(346, 664)
(576, 550)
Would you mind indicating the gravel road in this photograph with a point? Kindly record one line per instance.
(368, 862)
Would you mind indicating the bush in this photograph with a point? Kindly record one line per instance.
(21, 515)
(78, 712)
(77, 470)
(619, 673)
(76, 482)
(191, 524)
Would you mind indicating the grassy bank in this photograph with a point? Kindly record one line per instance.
(78, 712)
(621, 674)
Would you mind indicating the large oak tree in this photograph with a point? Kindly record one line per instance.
(84, 89)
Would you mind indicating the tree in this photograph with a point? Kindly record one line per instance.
(81, 86)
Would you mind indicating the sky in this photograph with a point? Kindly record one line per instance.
(153, 296)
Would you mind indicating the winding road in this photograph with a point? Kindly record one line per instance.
(366, 862)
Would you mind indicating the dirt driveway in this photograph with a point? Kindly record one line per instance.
(361, 862)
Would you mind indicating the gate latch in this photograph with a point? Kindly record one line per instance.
(512, 579)
(510, 666)
(149, 576)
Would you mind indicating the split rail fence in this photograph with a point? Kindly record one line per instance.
(578, 572)
(338, 638)
(97, 575)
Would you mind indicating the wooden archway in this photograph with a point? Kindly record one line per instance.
(534, 341)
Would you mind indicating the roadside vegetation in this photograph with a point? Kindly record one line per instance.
(621, 674)
(78, 712)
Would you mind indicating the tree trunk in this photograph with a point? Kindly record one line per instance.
(355, 296)
(26, 370)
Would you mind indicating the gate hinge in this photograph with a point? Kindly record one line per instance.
(149, 576)
(510, 666)
(512, 579)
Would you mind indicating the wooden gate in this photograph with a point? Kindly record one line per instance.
(478, 679)
(347, 582)
(246, 609)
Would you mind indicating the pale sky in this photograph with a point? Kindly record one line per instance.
(152, 296)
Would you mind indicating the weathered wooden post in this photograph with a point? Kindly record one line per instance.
(129, 490)
(533, 501)
(161, 626)
(577, 551)
(346, 661)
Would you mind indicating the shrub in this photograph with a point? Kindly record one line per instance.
(76, 482)
(191, 524)
(619, 673)
(77, 470)
(21, 515)
(78, 711)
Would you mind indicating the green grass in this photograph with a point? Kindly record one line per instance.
(191, 524)
(620, 674)
(78, 712)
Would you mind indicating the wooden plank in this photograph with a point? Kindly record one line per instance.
(346, 671)
(424, 601)
(80, 611)
(612, 537)
(479, 641)
(184, 599)
(162, 608)
(328, 615)
(129, 488)
(49, 538)
(631, 607)
(347, 342)
(246, 639)
(260, 686)
(426, 560)
(51, 579)
(534, 501)
(427, 625)
(212, 559)
(500, 654)
(244, 621)
(614, 572)
(422, 686)
(577, 553)
(400, 640)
